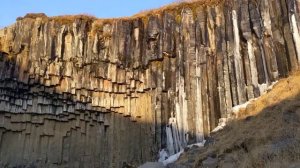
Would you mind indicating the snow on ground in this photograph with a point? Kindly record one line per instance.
(172, 159)
(237, 108)
(263, 88)
(221, 125)
(163, 155)
(165, 159)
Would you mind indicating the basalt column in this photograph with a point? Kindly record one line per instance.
(76, 91)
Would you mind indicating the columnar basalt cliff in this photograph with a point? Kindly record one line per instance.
(83, 92)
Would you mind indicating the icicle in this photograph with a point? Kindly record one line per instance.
(264, 62)
(254, 75)
(170, 141)
(198, 115)
(237, 56)
(296, 35)
(181, 112)
(95, 45)
(175, 134)
(267, 19)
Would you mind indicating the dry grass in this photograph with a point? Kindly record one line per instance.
(174, 7)
(35, 15)
(266, 135)
(177, 6)
(64, 19)
(67, 19)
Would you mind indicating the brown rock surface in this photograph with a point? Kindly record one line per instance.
(82, 92)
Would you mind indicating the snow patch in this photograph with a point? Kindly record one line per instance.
(200, 144)
(263, 88)
(237, 108)
(165, 159)
(272, 85)
(172, 158)
(221, 125)
(163, 155)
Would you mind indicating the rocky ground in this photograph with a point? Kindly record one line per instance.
(264, 134)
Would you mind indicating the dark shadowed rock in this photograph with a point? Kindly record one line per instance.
(152, 165)
(76, 91)
(210, 162)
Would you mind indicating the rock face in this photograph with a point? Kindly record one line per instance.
(81, 92)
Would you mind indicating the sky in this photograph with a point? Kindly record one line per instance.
(11, 9)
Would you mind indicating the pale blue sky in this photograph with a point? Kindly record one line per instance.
(11, 9)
